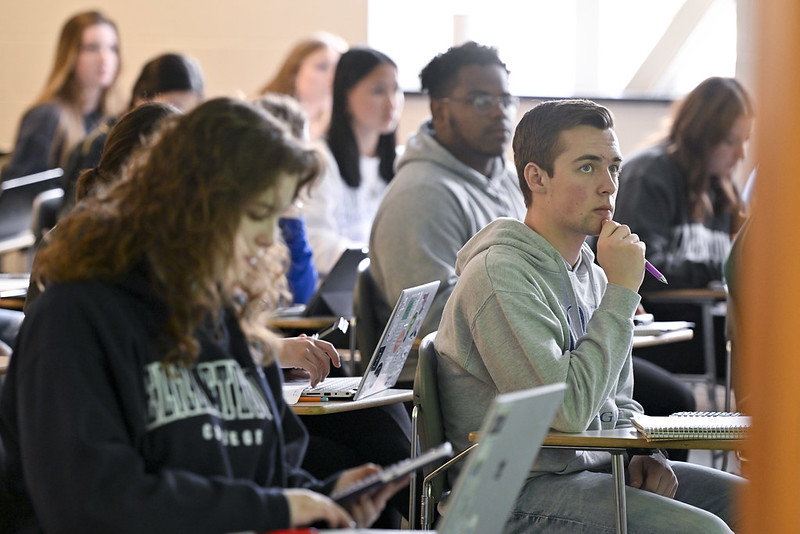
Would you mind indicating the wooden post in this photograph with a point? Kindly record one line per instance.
(770, 307)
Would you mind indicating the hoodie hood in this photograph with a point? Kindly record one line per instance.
(513, 233)
(422, 146)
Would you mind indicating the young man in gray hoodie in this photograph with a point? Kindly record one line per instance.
(532, 308)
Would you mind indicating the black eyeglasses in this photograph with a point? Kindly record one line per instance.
(486, 102)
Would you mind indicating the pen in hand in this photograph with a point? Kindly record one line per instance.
(340, 324)
(655, 272)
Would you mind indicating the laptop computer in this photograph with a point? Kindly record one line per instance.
(495, 471)
(334, 296)
(16, 204)
(390, 354)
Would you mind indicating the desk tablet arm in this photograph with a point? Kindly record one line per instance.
(428, 498)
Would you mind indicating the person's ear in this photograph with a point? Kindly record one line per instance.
(439, 113)
(536, 178)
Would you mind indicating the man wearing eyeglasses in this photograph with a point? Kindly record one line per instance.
(453, 178)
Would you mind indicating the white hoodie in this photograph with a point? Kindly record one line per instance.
(519, 318)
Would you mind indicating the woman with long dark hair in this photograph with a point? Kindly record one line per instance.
(362, 146)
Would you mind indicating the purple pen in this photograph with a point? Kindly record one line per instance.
(655, 272)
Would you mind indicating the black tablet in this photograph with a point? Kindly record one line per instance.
(392, 473)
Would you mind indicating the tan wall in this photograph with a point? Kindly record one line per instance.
(239, 43)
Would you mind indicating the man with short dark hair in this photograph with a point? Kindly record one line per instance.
(452, 179)
(532, 308)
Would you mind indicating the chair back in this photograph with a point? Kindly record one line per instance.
(430, 427)
(16, 200)
(10, 321)
(46, 206)
(366, 297)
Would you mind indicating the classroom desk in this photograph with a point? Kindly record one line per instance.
(684, 334)
(389, 396)
(711, 303)
(616, 441)
(299, 322)
(13, 288)
(12, 303)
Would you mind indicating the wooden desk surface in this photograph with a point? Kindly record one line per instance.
(301, 323)
(684, 334)
(626, 438)
(4, 361)
(14, 284)
(12, 303)
(699, 295)
(389, 396)
(630, 437)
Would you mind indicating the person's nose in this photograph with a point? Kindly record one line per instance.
(740, 149)
(266, 234)
(498, 111)
(108, 57)
(609, 183)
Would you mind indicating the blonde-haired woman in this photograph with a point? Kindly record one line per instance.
(307, 74)
(76, 97)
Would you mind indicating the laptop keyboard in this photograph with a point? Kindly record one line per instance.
(336, 384)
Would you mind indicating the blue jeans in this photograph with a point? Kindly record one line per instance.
(584, 502)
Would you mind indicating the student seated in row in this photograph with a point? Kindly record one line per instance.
(78, 95)
(306, 74)
(680, 196)
(174, 79)
(532, 308)
(144, 393)
(360, 148)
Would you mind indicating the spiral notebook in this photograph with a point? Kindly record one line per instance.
(688, 425)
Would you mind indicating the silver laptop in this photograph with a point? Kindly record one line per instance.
(391, 352)
(495, 471)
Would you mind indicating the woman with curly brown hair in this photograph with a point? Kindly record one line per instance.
(144, 392)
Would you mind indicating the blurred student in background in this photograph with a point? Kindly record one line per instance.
(452, 179)
(381, 435)
(132, 132)
(175, 79)
(301, 275)
(307, 75)
(361, 150)
(77, 96)
(680, 198)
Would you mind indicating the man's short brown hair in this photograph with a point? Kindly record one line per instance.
(536, 139)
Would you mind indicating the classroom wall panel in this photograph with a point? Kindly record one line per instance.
(239, 43)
